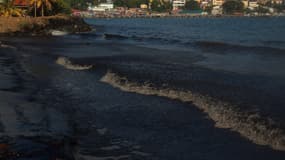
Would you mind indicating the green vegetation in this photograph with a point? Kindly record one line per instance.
(156, 5)
(233, 6)
(129, 3)
(160, 6)
(60, 7)
(278, 7)
(261, 9)
(8, 10)
(81, 4)
(192, 5)
(42, 5)
(208, 9)
(37, 8)
(49, 7)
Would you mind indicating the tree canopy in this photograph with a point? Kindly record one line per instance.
(160, 6)
(156, 5)
(192, 5)
(129, 3)
(49, 7)
(232, 6)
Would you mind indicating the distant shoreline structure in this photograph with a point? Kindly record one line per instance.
(174, 16)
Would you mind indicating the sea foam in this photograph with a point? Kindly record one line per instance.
(66, 63)
(259, 130)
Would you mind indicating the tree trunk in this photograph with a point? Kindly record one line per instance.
(35, 8)
(43, 9)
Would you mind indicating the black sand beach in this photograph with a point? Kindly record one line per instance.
(43, 108)
(86, 97)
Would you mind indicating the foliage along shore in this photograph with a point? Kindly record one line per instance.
(41, 26)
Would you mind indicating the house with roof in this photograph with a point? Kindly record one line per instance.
(218, 2)
(23, 4)
(177, 4)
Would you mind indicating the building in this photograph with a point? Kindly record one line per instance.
(205, 3)
(277, 2)
(136, 12)
(177, 4)
(24, 4)
(245, 3)
(253, 4)
(143, 6)
(217, 10)
(102, 7)
(218, 2)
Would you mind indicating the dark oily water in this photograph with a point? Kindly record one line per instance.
(154, 89)
(243, 32)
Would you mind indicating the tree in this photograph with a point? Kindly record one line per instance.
(8, 9)
(232, 6)
(81, 4)
(60, 7)
(208, 9)
(262, 10)
(55, 7)
(192, 5)
(279, 7)
(120, 3)
(96, 2)
(160, 6)
(42, 4)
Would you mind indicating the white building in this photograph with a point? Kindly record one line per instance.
(277, 2)
(102, 7)
(218, 2)
(217, 10)
(176, 4)
(253, 4)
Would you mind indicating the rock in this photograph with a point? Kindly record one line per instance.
(40, 26)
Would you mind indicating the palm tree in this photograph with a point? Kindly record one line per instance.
(41, 4)
(8, 9)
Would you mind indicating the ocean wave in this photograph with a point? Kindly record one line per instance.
(2, 45)
(218, 46)
(114, 36)
(66, 63)
(139, 38)
(253, 126)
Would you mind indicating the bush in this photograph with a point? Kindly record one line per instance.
(192, 5)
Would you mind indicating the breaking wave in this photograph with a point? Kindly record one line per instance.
(66, 63)
(2, 45)
(259, 130)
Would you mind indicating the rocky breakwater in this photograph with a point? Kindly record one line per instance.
(41, 26)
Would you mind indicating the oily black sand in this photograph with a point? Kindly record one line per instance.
(49, 111)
